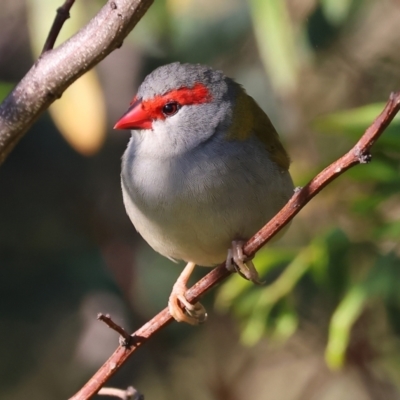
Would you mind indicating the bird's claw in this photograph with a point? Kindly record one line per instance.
(193, 314)
(237, 261)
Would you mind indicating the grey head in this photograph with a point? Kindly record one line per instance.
(183, 105)
(176, 75)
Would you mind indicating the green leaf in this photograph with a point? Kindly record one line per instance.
(276, 42)
(289, 277)
(336, 11)
(354, 122)
(343, 319)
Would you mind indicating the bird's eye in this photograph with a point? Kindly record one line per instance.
(171, 108)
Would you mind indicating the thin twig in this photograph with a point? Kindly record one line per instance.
(129, 394)
(61, 16)
(127, 338)
(359, 154)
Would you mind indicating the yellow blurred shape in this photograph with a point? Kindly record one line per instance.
(80, 114)
(178, 7)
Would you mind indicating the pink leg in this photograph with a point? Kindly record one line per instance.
(194, 314)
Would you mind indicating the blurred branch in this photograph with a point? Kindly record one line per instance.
(126, 337)
(59, 68)
(129, 394)
(61, 16)
(359, 154)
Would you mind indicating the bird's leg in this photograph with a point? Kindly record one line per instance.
(237, 261)
(194, 314)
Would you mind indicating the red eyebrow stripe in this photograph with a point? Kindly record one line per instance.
(198, 94)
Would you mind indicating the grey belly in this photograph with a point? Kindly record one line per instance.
(189, 211)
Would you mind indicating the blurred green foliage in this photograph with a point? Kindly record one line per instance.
(351, 274)
(5, 88)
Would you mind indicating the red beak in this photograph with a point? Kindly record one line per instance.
(135, 118)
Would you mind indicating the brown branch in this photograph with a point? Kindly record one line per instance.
(359, 154)
(57, 69)
(127, 338)
(61, 16)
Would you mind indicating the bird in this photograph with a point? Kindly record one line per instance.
(203, 171)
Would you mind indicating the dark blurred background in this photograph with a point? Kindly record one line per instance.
(326, 326)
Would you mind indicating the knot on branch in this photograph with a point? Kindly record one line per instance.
(364, 158)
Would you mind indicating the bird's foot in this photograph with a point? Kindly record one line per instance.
(237, 261)
(194, 314)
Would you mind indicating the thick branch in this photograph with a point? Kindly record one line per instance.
(359, 154)
(57, 69)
